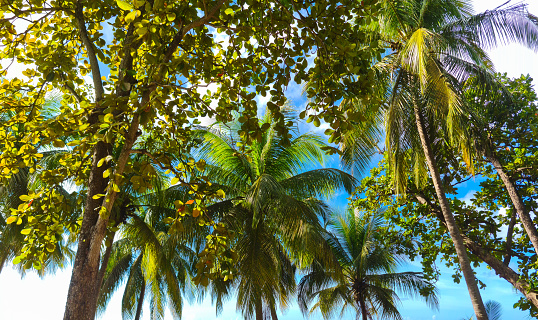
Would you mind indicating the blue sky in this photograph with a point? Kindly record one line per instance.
(34, 298)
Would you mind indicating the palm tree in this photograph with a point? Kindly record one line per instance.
(157, 267)
(274, 206)
(436, 45)
(366, 281)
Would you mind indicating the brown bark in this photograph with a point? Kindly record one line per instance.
(259, 309)
(499, 267)
(104, 264)
(364, 311)
(523, 214)
(140, 301)
(509, 240)
(502, 270)
(274, 316)
(82, 296)
(465, 264)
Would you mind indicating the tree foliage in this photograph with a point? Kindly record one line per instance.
(151, 63)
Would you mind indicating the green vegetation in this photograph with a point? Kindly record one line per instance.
(119, 177)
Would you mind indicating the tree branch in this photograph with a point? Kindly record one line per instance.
(90, 51)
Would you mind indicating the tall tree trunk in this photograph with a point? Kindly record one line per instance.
(524, 216)
(501, 269)
(104, 264)
(274, 316)
(83, 291)
(364, 310)
(140, 301)
(465, 265)
(259, 309)
(82, 296)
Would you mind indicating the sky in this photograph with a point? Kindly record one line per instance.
(44, 299)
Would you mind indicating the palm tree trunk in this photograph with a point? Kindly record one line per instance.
(465, 264)
(140, 301)
(259, 309)
(104, 264)
(501, 268)
(274, 316)
(524, 216)
(364, 311)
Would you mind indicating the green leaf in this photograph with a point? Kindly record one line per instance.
(124, 5)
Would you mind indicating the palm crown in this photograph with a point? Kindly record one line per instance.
(275, 207)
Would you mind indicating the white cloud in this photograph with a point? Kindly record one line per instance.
(468, 197)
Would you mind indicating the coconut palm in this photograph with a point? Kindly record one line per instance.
(156, 265)
(367, 280)
(436, 45)
(274, 205)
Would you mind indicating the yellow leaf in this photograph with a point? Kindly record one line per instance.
(124, 5)
(108, 118)
(174, 181)
(97, 196)
(142, 31)
(26, 231)
(132, 15)
(195, 213)
(171, 16)
(11, 219)
(50, 247)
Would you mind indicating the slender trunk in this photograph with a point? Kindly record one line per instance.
(140, 301)
(364, 311)
(523, 214)
(104, 263)
(509, 240)
(502, 270)
(274, 316)
(465, 265)
(259, 309)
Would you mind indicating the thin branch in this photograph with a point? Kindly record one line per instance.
(90, 51)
